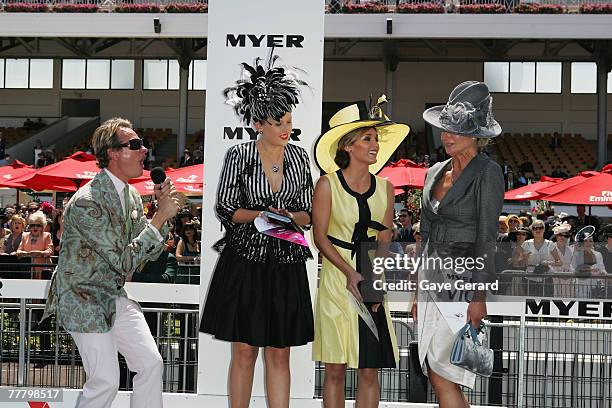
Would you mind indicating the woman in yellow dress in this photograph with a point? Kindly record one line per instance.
(353, 208)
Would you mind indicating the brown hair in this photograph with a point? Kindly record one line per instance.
(105, 137)
(342, 158)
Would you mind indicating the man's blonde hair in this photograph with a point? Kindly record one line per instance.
(105, 137)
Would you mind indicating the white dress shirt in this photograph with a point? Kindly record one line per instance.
(119, 186)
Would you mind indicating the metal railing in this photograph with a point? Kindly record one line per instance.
(549, 363)
(187, 273)
(43, 355)
(539, 361)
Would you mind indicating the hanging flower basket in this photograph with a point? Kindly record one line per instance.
(483, 9)
(596, 8)
(138, 8)
(366, 8)
(420, 8)
(532, 8)
(76, 8)
(186, 8)
(26, 8)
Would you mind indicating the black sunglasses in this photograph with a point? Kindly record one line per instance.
(132, 144)
(35, 225)
(537, 228)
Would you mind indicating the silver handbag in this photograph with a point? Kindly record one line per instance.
(469, 353)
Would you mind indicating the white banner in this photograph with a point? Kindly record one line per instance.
(569, 308)
(240, 31)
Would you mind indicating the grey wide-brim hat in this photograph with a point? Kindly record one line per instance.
(468, 112)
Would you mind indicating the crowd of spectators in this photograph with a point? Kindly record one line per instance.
(32, 233)
(30, 125)
(544, 242)
(537, 244)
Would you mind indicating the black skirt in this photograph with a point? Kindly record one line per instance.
(261, 304)
(375, 353)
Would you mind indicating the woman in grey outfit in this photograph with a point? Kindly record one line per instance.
(462, 199)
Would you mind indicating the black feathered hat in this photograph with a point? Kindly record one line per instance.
(264, 91)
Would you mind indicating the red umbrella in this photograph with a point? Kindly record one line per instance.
(570, 182)
(146, 188)
(404, 173)
(531, 191)
(187, 175)
(595, 190)
(187, 180)
(14, 171)
(66, 175)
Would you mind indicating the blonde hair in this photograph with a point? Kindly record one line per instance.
(105, 137)
(482, 143)
(17, 218)
(537, 223)
(515, 217)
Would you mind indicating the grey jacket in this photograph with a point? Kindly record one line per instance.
(466, 221)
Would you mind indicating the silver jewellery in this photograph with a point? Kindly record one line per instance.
(275, 165)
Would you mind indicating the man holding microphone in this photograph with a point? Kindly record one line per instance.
(106, 237)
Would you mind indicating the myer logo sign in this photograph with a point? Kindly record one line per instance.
(240, 133)
(269, 40)
(590, 309)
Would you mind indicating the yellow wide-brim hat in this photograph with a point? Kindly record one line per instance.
(390, 135)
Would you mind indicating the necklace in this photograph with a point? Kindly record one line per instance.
(275, 163)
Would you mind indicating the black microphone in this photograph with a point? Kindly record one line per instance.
(158, 175)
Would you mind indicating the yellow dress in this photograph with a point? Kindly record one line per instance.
(341, 336)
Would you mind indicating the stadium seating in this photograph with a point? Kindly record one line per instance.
(574, 155)
(13, 135)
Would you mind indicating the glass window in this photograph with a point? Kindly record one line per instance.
(73, 74)
(496, 76)
(155, 74)
(122, 74)
(173, 74)
(98, 74)
(16, 73)
(548, 77)
(1, 73)
(584, 77)
(197, 75)
(522, 77)
(41, 73)
(609, 82)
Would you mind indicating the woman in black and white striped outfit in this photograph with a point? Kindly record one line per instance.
(259, 293)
